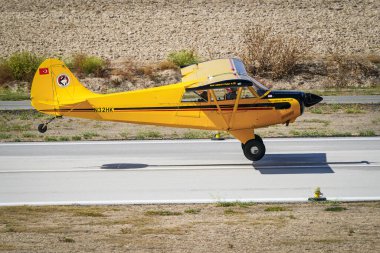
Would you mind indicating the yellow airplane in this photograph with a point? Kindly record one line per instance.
(214, 95)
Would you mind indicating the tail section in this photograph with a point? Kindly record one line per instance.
(54, 85)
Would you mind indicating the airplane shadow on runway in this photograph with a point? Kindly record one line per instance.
(305, 163)
(124, 166)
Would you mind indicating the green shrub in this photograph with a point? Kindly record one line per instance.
(5, 136)
(89, 135)
(354, 109)
(367, 133)
(51, 138)
(28, 135)
(66, 239)
(275, 209)
(150, 134)
(230, 211)
(237, 203)
(76, 138)
(162, 213)
(86, 65)
(23, 65)
(192, 211)
(183, 58)
(197, 134)
(335, 209)
(124, 135)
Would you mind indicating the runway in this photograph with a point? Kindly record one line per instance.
(140, 172)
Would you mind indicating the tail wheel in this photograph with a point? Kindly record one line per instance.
(42, 128)
(254, 150)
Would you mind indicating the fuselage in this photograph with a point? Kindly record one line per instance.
(164, 106)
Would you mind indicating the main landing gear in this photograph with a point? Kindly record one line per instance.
(42, 128)
(254, 149)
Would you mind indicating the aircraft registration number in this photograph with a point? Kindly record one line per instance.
(104, 109)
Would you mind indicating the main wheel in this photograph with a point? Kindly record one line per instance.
(42, 128)
(254, 150)
(257, 137)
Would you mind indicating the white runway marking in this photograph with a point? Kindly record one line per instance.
(192, 167)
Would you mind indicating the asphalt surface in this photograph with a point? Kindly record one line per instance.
(373, 99)
(15, 105)
(188, 171)
(370, 99)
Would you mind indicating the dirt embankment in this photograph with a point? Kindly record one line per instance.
(148, 30)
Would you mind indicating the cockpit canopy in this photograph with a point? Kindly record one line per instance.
(222, 73)
(221, 76)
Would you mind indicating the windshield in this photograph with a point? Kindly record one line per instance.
(240, 70)
(259, 87)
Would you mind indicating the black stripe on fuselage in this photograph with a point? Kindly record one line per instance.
(276, 106)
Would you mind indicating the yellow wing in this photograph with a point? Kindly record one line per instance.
(216, 73)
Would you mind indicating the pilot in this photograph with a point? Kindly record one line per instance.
(231, 93)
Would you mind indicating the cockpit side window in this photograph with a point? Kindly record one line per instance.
(246, 93)
(195, 96)
(225, 94)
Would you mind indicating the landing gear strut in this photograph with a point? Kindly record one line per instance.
(42, 128)
(254, 149)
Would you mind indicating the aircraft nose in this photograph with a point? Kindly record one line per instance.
(311, 99)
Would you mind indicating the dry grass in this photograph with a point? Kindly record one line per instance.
(270, 54)
(215, 229)
(162, 213)
(5, 72)
(164, 65)
(374, 58)
(345, 70)
(132, 71)
(276, 209)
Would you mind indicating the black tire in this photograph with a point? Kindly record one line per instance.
(257, 137)
(254, 150)
(42, 128)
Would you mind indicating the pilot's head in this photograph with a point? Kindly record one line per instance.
(231, 89)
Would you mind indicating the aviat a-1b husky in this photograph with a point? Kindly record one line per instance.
(214, 95)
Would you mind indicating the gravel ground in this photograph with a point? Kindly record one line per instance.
(148, 30)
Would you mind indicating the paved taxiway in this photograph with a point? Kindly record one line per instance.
(187, 171)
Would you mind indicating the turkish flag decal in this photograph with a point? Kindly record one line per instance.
(44, 71)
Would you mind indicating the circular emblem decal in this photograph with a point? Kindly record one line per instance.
(63, 80)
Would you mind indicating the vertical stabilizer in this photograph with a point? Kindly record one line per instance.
(54, 85)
